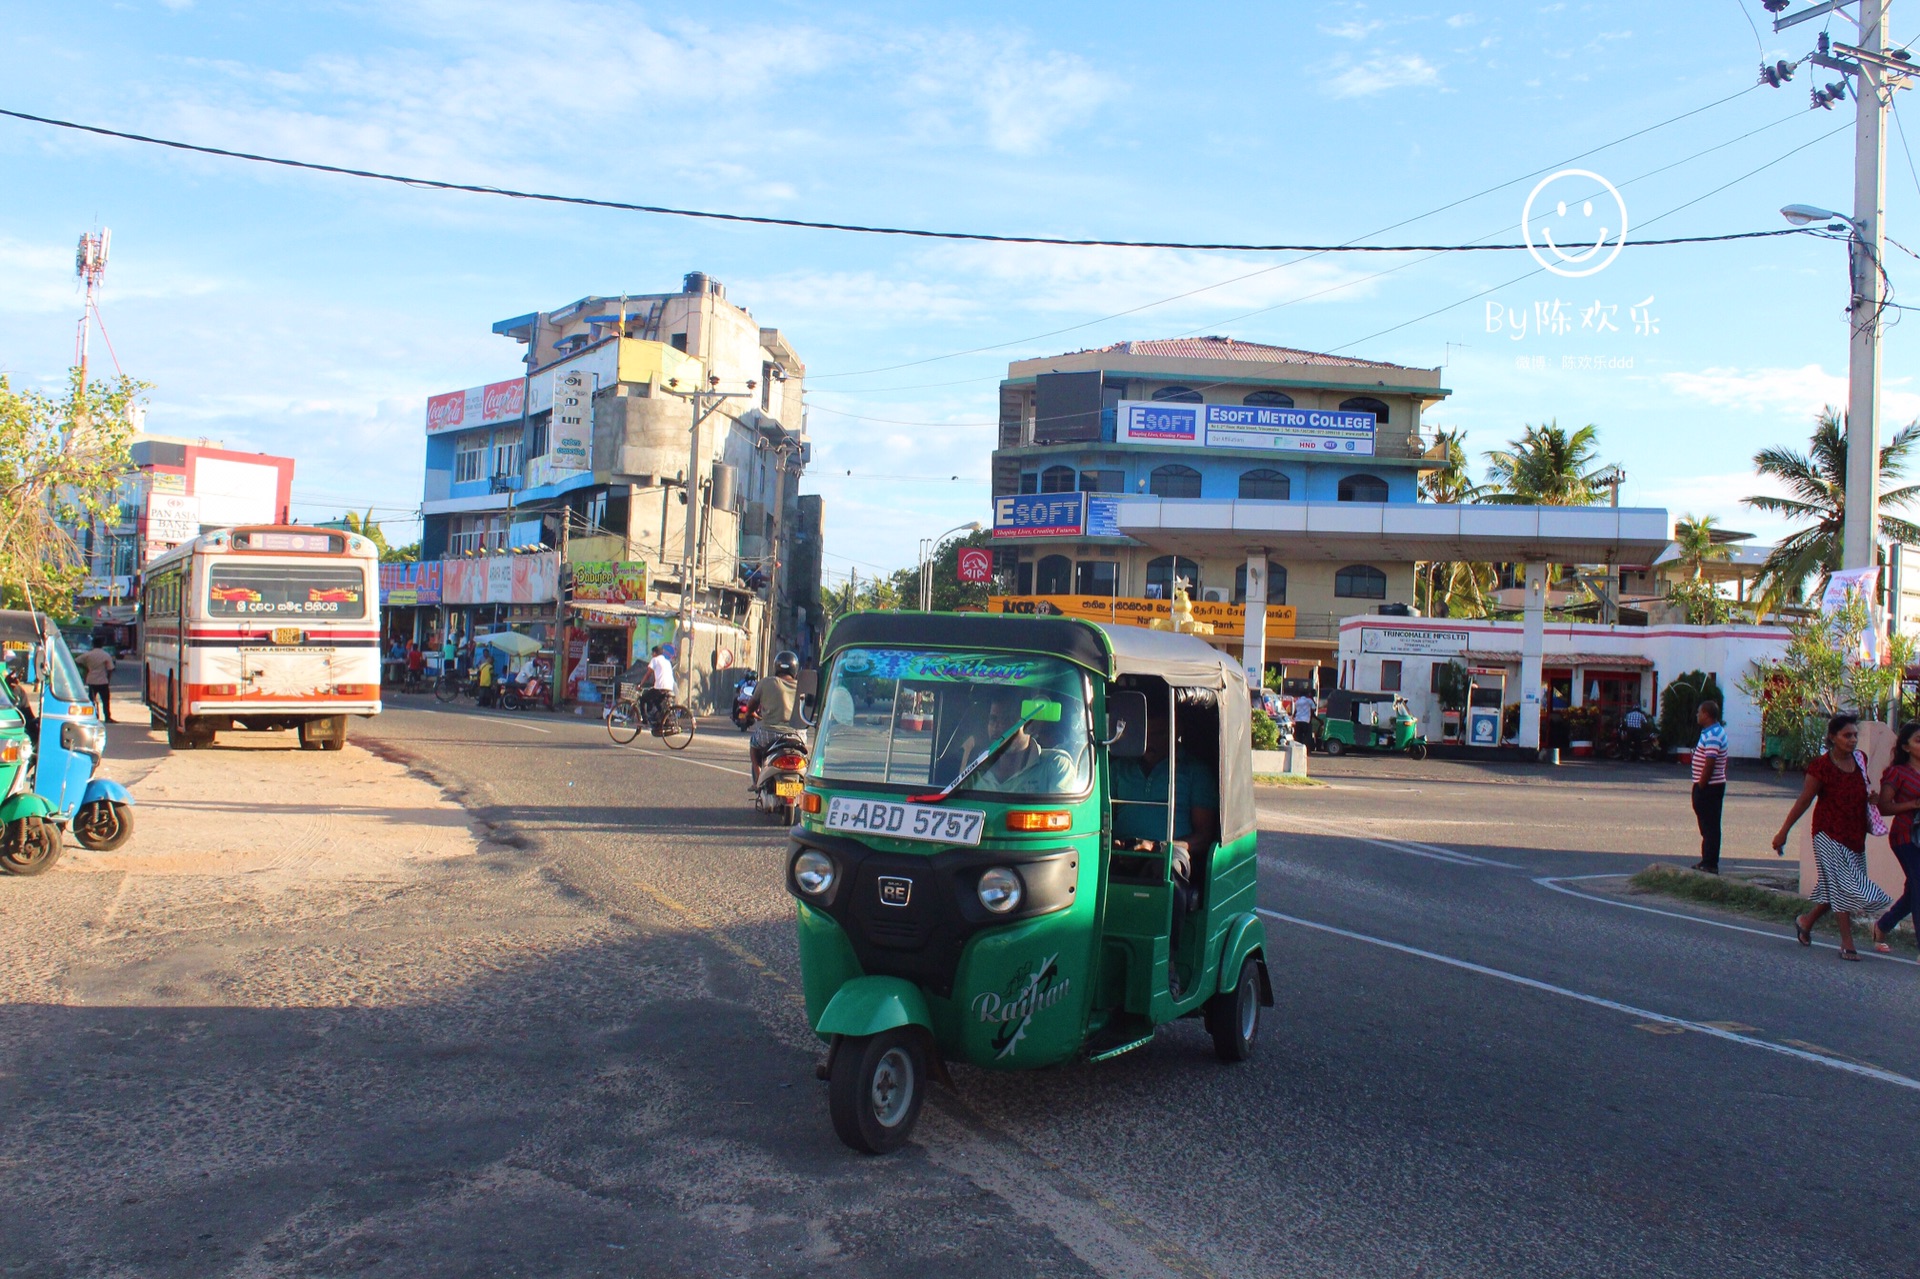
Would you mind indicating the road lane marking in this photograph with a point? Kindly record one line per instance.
(682, 759)
(1413, 848)
(1557, 882)
(1643, 1014)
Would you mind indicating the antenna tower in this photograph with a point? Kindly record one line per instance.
(89, 267)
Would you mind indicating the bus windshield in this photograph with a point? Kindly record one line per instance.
(918, 717)
(236, 588)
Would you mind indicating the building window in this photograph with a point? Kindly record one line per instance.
(1029, 482)
(1433, 676)
(1390, 676)
(1177, 395)
(1360, 582)
(1023, 578)
(1276, 583)
(1053, 575)
(678, 341)
(537, 435)
(1367, 404)
(506, 456)
(1057, 479)
(1264, 485)
(1174, 481)
(1162, 572)
(1363, 488)
(469, 461)
(1095, 577)
(496, 533)
(1103, 481)
(1269, 399)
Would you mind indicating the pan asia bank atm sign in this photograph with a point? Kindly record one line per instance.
(1245, 426)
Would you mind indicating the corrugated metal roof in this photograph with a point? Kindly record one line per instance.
(1226, 348)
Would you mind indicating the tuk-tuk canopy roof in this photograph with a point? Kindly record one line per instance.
(21, 624)
(1108, 650)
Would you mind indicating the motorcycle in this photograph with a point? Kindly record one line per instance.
(1628, 745)
(528, 692)
(777, 786)
(742, 698)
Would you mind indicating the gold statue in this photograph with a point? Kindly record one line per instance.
(1180, 619)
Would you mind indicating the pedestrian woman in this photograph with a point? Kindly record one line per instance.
(1900, 799)
(1838, 780)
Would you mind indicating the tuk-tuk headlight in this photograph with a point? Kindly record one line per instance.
(813, 871)
(1000, 890)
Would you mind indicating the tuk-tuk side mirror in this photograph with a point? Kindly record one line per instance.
(1126, 725)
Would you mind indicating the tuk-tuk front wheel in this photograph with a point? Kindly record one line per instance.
(29, 846)
(1417, 751)
(103, 825)
(1233, 1017)
(875, 1088)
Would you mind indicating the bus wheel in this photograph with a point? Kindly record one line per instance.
(29, 846)
(178, 738)
(338, 739)
(875, 1088)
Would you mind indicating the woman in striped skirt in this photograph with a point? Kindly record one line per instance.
(1838, 781)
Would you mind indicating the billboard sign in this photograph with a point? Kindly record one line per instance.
(610, 581)
(976, 564)
(1040, 515)
(570, 437)
(1228, 620)
(476, 406)
(172, 517)
(412, 583)
(1245, 426)
(1413, 642)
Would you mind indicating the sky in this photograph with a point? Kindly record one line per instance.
(313, 315)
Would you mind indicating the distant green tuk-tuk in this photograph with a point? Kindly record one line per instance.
(1023, 840)
(1354, 722)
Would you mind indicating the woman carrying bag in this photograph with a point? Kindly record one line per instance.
(1842, 819)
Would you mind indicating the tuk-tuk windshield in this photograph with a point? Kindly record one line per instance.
(918, 717)
(63, 675)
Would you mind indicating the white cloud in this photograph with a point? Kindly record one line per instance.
(1353, 29)
(1018, 99)
(1795, 393)
(1458, 20)
(1390, 71)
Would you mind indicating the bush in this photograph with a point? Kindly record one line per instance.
(1679, 701)
(1266, 734)
(1454, 684)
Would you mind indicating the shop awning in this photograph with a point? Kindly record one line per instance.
(1557, 661)
(621, 611)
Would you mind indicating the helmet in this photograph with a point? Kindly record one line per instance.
(785, 663)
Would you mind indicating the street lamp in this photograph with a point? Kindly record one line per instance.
(929, 548)
(1806, 214)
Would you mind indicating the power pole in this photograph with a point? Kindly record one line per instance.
(1873, 76)
(705, 401)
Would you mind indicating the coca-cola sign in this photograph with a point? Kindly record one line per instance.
(476, 406)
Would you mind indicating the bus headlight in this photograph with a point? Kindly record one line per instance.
(813, 871)
(1000, 890)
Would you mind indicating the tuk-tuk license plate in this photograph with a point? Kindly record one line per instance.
(907, 821)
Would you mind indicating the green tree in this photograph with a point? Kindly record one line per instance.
(1824, 671)
(1816, 484)
(1452, 482)
(1454, 588)
(401, 554)
(1547, 466)
(61, 460)
(365, 527)
(1693, 537)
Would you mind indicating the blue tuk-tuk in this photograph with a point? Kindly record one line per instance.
(57, 788)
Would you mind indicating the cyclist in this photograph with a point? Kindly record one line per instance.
(776, 707)
(660, 692)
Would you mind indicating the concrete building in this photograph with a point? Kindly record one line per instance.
(176, 488)
(1225, 422)
(604, 479)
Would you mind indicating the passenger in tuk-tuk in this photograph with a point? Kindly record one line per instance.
(1141, 822)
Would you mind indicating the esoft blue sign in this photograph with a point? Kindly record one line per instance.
(1040, 515)
(1150, 422)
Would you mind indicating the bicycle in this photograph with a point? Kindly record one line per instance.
(448, 685)
(673, 724)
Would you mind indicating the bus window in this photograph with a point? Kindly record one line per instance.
(239, 589)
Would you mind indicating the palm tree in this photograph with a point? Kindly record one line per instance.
(1693, 537)
(365, 527)
(1455, 588)
(1547, 466)
(1452, 483)
(1817, 484)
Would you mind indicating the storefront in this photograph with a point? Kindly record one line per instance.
(609, 626)
(511, 591)
(409, 602)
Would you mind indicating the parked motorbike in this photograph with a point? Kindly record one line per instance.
(742, 696)
(1629, 745)
(776, 789)
(528, 692)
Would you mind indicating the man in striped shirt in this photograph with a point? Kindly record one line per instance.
(1709, 784)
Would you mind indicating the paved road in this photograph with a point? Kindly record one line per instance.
(1470, 1072)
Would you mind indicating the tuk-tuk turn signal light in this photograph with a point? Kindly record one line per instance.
(11, 752)
(1039, 819)
(810, 801)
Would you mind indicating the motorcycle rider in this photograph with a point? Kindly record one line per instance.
(776, 708)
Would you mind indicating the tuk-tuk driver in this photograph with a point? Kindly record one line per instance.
(1025, 766)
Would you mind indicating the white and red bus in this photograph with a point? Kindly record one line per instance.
(262, 627)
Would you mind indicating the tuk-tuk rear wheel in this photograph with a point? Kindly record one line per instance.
(1335, 747)
(31, 845)
(1233, 1016)
(875, 1087)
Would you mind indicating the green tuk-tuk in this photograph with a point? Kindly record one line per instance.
(1031, 839)
(1353, 722)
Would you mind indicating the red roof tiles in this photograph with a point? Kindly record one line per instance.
(1225, 348)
